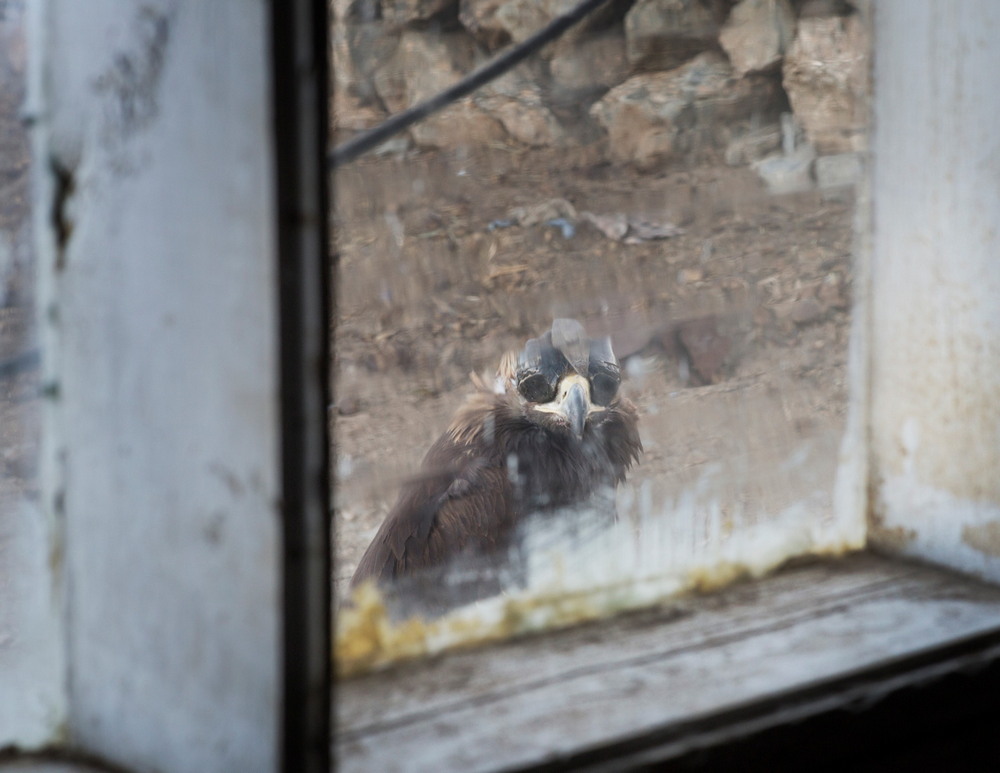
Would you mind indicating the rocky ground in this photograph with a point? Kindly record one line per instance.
(677, 174)
(733, 326)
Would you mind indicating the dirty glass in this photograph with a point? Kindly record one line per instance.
(671, 182)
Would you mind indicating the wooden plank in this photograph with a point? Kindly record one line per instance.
(935, 325)
(599, 683)
(160, 465)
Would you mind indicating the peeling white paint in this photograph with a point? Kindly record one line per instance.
(937, 523)
(935, 313)
(32, 676)
(156, 244)
(33, 698)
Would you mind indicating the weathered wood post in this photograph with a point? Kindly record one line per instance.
(179, 213)
(934, 309)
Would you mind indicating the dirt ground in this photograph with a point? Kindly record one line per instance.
(733, 332)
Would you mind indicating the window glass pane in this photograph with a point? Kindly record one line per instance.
(678, 179)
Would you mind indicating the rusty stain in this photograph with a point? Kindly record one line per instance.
(951, 446)
(366, 638)
(984, 538)
(880, 535)
(891, 538)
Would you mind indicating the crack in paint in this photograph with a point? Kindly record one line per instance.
(64, 188)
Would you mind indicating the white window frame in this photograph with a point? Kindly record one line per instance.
(921, 357)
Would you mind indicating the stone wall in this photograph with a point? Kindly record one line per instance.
(780, 84)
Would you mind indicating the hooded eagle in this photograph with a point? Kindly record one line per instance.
(553, 437)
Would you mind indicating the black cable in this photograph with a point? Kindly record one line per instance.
(356, 146)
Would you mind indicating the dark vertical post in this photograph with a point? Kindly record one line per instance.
(299, 40)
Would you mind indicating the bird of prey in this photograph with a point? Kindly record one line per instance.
(551, 437)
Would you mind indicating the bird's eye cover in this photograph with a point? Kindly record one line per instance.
(539, 367)
(604, 382)
(535, 387)
(603, 372)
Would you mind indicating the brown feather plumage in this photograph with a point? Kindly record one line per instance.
(499, 463)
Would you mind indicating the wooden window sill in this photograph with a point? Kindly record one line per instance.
(697, 674)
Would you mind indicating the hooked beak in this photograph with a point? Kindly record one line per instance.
(572, 403)
(574, 407)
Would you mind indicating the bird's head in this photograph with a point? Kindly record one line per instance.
(564, 380)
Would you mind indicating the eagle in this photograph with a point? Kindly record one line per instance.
(550, 438)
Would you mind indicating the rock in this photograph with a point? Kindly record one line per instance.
(423, 65)
(825, 74)
(688, 276)
(479, 17)
(806, 311)
(523, 18)
(803, 311)
(593, 65)
(706, 347)
(495, 22)
(529, 122)
(662, 34)
(642, 118)
(516, 102)
(754, 145)
(842, 170)
(832, 292)
(788, 173)
(612, 226)
(550, 209)
(461, 124)
(814, 8)
(356, 104)
(360, 43)
(791, 170)
(395, 82)
(655, 116)
(632, 229)
(349, 405)
(354, 10)
(757, 34)
(399, 12)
